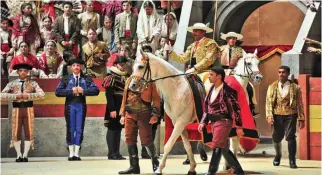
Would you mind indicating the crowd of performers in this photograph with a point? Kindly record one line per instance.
(75, 48)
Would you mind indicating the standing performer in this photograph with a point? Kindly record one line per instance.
(126, 27)
(75, 88)
(114, 84)
(22, 92)
(284, 107)
(222, 110)
(66, 29)
(140, 110)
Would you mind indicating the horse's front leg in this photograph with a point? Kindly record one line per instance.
(177, 131)
(188, 149)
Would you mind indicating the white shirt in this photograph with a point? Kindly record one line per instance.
(76, 79)
(4, 36)
(215, 93)
(66, 19)
(128, 21)
(284, 90)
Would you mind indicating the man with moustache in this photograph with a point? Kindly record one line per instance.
(201, 54)
(75, 88)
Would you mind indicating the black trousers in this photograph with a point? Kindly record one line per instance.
(113, 139)
(284, 125)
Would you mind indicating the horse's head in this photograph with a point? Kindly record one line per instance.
(247, 66)
(141, 72)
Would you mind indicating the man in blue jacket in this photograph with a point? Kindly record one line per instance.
(75, 87)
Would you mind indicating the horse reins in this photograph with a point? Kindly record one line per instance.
(147, 72)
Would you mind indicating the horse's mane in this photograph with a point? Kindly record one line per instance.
(163, 62)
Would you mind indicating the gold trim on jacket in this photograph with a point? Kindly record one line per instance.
(273, 101)
(206, 54)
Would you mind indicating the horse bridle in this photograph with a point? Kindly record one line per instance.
(246, 69)
(147, 72)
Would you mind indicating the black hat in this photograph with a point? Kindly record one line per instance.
(120, 59)
(147, 48)
(22, 66)
(73, 61)
(68, 2)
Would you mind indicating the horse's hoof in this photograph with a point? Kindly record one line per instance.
(192, 173)
(157, 173)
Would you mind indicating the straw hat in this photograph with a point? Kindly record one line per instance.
(199, 26)
(231, 34)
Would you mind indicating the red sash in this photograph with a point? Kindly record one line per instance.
(127, 33)
(5, 47)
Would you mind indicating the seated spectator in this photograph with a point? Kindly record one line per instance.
(47, 31)
(95, 55)
(107, 35)
(25, 57)
(173, 25)
(160, 52)
(50, 61)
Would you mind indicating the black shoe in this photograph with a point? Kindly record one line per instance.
(120, 157)
(233, 162)
(293, 164)
(113, 158)
(186, 162)
(134, 161)
(19, 159)
(278, 151)
(77, 158)
(202, 152)
(70, 158)
(277, 161)
(25, 159)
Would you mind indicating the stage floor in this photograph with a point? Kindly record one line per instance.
(252, 164)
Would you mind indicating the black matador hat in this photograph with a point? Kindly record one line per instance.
(73, 61)
(22, 66)
(120, 59)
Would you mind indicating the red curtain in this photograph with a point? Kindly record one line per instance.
(266, 51)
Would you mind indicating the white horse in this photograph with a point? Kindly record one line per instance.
(246, 69)
(178, 101)
(178, 97)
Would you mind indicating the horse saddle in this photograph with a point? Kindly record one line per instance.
(199, 94)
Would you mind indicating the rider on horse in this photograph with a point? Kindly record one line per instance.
(201, 54)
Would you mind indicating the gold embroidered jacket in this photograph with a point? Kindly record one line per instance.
(236, 54)
(290, 104)
(13, 88)
(205, 54)
(319, 50)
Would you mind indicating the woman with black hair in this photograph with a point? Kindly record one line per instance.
(25, 28)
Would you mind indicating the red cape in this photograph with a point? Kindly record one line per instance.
(248, 142)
